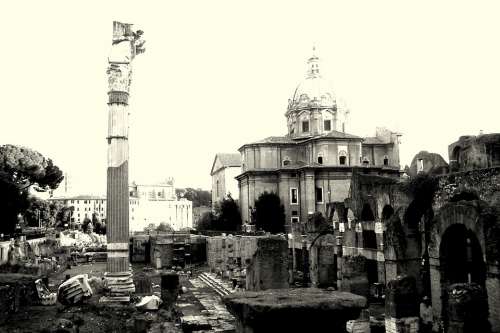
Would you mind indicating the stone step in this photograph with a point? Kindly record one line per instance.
(215, 284)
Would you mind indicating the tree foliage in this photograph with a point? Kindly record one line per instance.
(198, 196)
(64, 216)
(164, 227)
(227, 217)
(270, 213)
(42, 211)
(21, 169)
(207, 222)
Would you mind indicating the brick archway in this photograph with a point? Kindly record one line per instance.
(453, 224)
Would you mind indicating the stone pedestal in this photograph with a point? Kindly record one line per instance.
(269, 266)
(402, 306)
(169, 289)
(293, 310)
(142, 284)
(119, 287)
(467, 309)
(354, 276)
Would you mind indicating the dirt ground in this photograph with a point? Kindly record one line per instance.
(90, 317)
(198, 301)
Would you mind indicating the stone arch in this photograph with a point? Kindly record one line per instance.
(461, 257)
(451, 226)
(367, 213)
(323, 261)
(464, 212)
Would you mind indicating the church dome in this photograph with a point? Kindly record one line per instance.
(313, 108)
(314, 91)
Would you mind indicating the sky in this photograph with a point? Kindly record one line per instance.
(218, 74)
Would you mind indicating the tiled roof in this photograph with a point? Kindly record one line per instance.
(287, 139)
(339, 135)
(275, 139)
(229, 160)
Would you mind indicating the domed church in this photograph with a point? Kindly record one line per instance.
(311, 167)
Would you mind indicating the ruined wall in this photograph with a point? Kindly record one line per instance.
(228, 252)
(472, 152)
(484, 183)
(354, 276)
(269, 266)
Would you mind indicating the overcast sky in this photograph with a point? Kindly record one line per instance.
(218, 74)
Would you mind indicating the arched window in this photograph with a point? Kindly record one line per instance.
(366, 161)
(286, 161)
(305, 126)
(320, 158)
(342, 157)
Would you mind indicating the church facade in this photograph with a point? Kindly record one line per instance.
(310, 168)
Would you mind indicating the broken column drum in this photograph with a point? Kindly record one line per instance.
(125, 46)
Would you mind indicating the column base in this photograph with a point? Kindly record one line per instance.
(119, 286)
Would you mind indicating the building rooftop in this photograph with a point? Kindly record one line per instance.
(80, 197)
(288, 140)
(229, 159)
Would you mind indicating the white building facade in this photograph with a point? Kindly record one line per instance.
(148, 204)
(224, 171)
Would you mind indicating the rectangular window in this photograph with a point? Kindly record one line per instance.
(319, 195)
(327, 125)
(305, 126)
(295, 219)
(294, 199)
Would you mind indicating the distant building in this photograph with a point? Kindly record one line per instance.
(157, 203)
(148, 204)
(85, 206)
(224, 171)
(474, 152)
(426, 162)
(311, 167)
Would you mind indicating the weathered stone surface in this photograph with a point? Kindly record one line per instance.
(467, 309)
(169, 288)
(294, 310)
(401, 298)
(269, 266)
(354, 275)
(142, 283)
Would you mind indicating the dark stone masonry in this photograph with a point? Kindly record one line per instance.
(294, 310)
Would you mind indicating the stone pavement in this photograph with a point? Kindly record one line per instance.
(202, 309)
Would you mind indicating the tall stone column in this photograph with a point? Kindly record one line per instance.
(126, 45)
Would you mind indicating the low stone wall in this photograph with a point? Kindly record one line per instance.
(16, 291)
